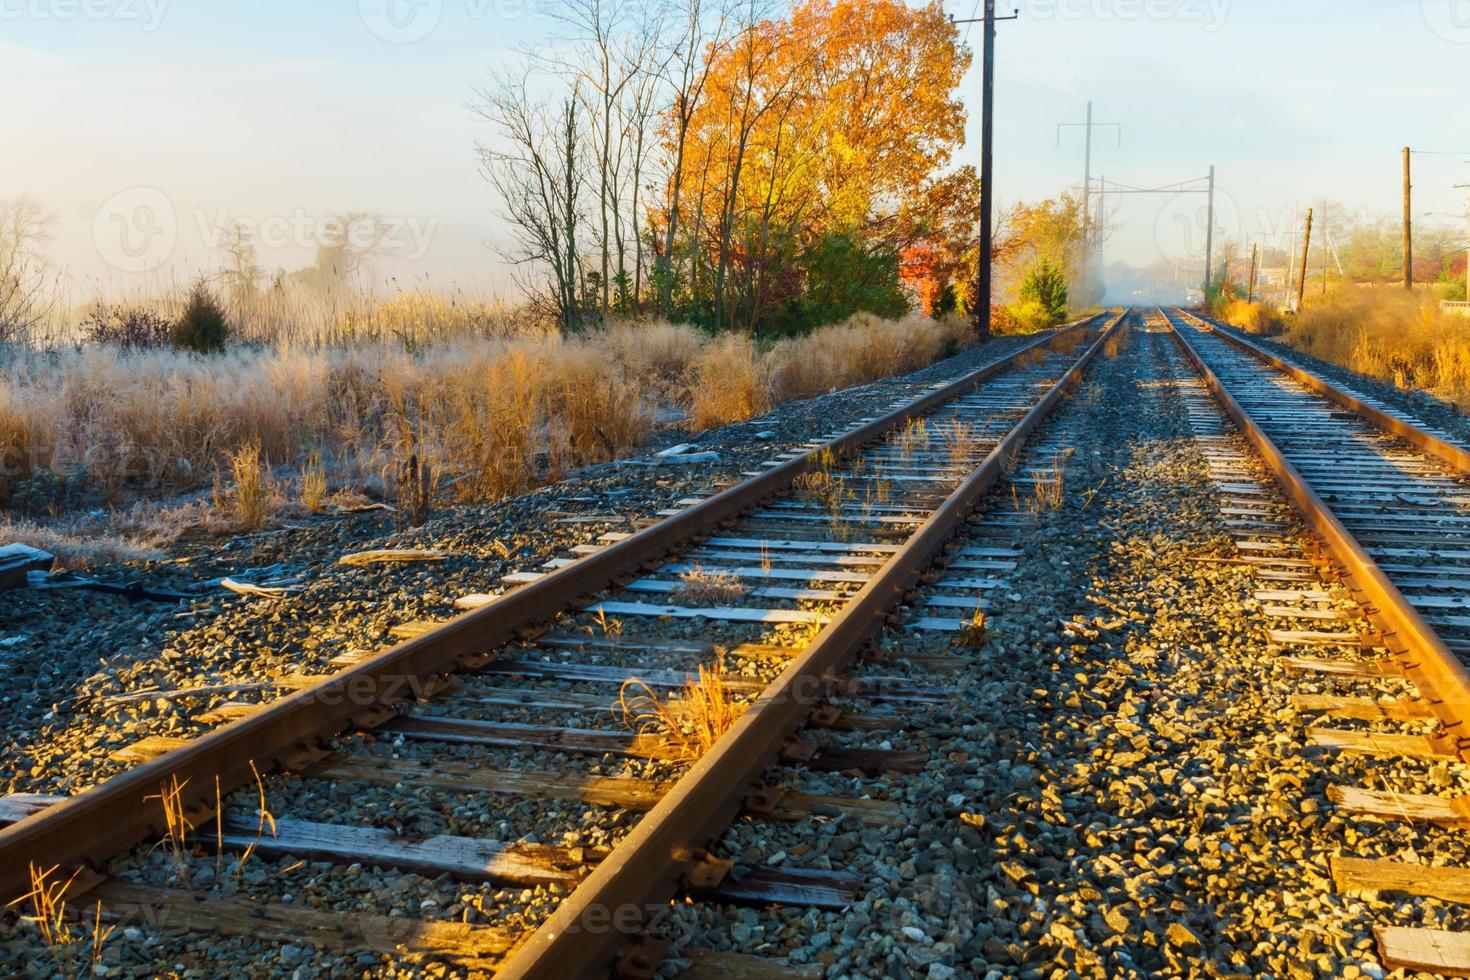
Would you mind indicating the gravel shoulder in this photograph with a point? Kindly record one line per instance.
(68, 654)
(1132, 796)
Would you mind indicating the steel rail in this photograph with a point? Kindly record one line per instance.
(1419, 651)
(582, 937)
(123, 811)
(1446, 452)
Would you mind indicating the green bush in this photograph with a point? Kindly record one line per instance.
(203, 327)
(1045, 285)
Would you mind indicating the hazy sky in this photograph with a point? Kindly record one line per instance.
(145, 125)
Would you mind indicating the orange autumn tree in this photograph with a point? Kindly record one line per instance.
(818, 136)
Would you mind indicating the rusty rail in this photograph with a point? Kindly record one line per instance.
(1434, 669)
(123, 811)
(581, 938)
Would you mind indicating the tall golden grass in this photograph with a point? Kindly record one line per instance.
(1258, 317)
(492, 415)
(1402, 338)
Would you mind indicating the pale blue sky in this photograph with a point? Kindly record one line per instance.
(292, 110)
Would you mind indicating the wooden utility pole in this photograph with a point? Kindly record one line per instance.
(987, 169)
(1301, 289)
(1250, 286)
(1408, 225)
(1326, 247)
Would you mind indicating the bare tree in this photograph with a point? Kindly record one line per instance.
(25, 299)
(535, 167)
(242, 274)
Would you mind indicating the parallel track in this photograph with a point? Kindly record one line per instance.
(831, 565)
(1391, 504)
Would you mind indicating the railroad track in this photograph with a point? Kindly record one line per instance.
(1374, 601)
(481, 753)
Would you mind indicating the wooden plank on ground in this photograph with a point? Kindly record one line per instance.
(765, 885)
(1428, 950)
(387, 556)
(729, 614)
(502, 734)
(146, 749)
(462, 858)
(17, 806)
(17, 561)
(1363, 709)
(1343, 668)
(871, 761)
(1450, 810)
(618, 791)
(1351, 874)
(706, 964)
(176, 910)
(1317, 638)
(1376, 743)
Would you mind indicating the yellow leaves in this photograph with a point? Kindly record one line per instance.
(829, 119)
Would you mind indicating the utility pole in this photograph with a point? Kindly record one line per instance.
(1210, 233)
(1301, 289)
(1408, 226)
(1467, 247)
(1250, 288)
(1088, 126)
(987, 169)
(1326, 242)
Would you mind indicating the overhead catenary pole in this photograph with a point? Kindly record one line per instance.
(1408, 225)
(1301, 289)
(1210, 232)
(1250, 288)
(1467, 247)
(1088, 226)
(1086, 220)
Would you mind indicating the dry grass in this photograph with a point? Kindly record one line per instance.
(499, 407)
(961, 442)
(1117, 343)
(78, 546)
(863, 348)
(1050, 490)
(1389, 334)
(177, 825)
(58, 930)
(251, 486)
(313, 483)
(730, 382)
(975, 632)
(912, 437)
(1259, 317)
(701, 587)
(695, 721)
